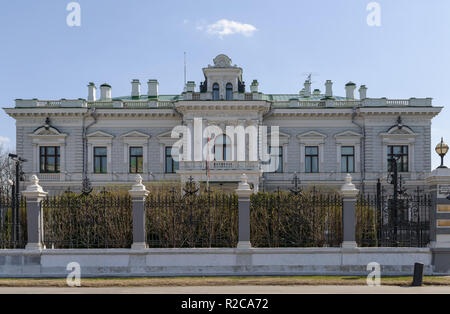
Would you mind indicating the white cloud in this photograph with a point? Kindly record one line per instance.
(226, 27)
(4, 139)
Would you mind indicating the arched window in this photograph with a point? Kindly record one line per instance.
(216, 95)
(222, 148)
(229, 95)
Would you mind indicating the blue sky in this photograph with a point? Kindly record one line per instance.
(41, 57)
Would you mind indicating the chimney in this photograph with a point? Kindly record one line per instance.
(329, 89)
(153, 88)
(254, 86)
(135, 89)
(92, 92)
(105, 91)
(350, 90)
(190, 87)
(363, 92)
(307, 88)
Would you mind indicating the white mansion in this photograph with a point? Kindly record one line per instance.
(322, 137)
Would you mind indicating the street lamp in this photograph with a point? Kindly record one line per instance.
(442, 150)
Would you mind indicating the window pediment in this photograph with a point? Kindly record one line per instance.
(135, 137)
(399, 135)
(312, 137)
(348, 137)
(347, 134)
(282, 137)
(47, 131)
(100, 134)
(135, 134)
(166, 138)
(100, 137)
(48, 135)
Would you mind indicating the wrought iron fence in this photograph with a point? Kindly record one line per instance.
(303, 219)
(98, 220)
(13, 230)
(192, 220)
(383, 221)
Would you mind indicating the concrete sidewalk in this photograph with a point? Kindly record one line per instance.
(234, 290)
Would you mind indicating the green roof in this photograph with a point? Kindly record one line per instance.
(145, 97)
(267, 97)
(288, 97)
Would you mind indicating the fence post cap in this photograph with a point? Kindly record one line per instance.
(349, 189)
(34, 190)
(244, 188)
(439, 176)
(138, 189)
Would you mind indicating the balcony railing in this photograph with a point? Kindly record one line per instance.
(219, 165)
(49, 176)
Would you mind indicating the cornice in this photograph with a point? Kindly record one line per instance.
(363, 112)
(72, 112)
(189, 105)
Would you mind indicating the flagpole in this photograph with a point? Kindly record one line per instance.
(207, 166)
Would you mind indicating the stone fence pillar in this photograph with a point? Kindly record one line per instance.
(34, 195)
(244, 191)
(439, 182)
(349, 193)
(138, 194)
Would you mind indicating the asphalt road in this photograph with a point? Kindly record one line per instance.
(234, 290)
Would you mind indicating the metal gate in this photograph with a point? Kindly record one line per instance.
(12, 221)
(387, 220)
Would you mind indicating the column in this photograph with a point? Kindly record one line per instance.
(138, 194)
(439, 182)
(34, 195)
(244, 193)
(349, 193)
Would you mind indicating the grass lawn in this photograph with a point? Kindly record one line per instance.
(222, 281)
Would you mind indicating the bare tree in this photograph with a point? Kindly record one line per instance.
(6, 169)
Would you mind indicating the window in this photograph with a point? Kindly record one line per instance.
(222, 148)
(216, 95)
(311, 159)
(49, 159)
(100, 160)
(400, 153)
(229, 95)
(136, 160)
(277, 154)
(347, 159)
(171, 165)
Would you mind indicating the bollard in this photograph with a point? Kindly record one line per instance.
(418, 275)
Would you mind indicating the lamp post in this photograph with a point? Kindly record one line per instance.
(16, 196)
(442, 150)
